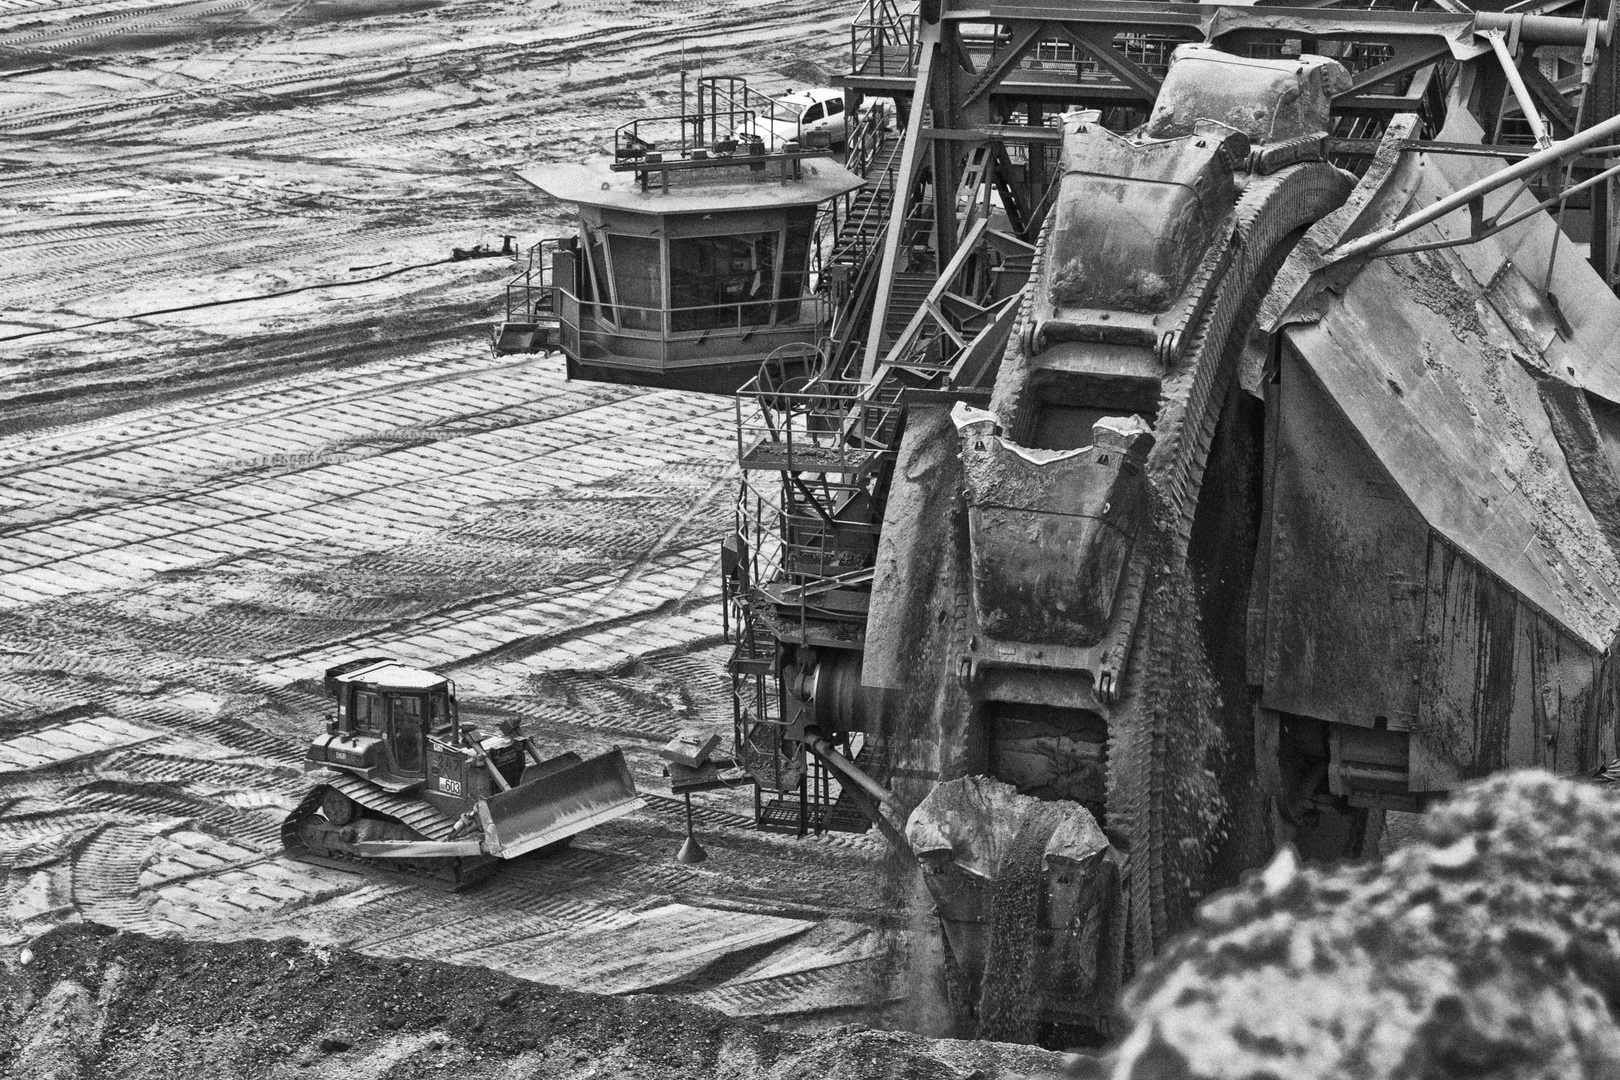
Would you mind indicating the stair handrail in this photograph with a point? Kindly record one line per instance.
(853, 237)
(880, 24)
(867, 137)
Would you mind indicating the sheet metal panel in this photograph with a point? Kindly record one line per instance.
(1426, 374)
(1513, 264)
(1345, 571)
(1440, 367)
(1502, 685)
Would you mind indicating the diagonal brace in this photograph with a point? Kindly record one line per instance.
(1556, 104)
(1394, 68)
(996, 68)
(1101, 49)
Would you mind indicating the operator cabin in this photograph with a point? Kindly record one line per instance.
(690, 269)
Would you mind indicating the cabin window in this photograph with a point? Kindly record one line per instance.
(835, 106)
(812, 114)
(638, 274)
(722, 282)
(596, 281)
(407, 715)
(440, 720)
(795, 262)
(369, 714)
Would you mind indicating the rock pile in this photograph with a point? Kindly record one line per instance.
(1488, 949)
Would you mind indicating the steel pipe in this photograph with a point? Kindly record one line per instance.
(1527, 104)
(825, 751)
(1541, 29)
(1557, 152)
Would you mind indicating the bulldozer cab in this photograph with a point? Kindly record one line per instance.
(398, 705)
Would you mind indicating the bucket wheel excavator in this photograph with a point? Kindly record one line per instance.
(1034, 628)
(1212, 443)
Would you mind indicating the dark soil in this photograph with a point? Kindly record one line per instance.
(91, 1002)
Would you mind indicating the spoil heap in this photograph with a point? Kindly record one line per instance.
(91, 1002)
(1488, 949)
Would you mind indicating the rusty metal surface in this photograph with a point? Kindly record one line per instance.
(1270, 101)
(1503, 685)
(1051, 532)
(1029, 899)
(1342, 541)
(1444, 489)
(1438, 385)
(917, 539)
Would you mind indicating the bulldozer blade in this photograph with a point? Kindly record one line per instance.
(558, 804)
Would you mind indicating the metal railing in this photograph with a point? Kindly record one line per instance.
(752, 314)
(819, 443)
(651, 336)
(883, 40)
(730, 120)
(820, 424)
(866, 138)
(1150, 52)
(529, 291)
(726, 120)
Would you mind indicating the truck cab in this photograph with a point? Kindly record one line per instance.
(813, 116)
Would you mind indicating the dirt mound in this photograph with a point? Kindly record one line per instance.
(1488, 949)
(94, 1002)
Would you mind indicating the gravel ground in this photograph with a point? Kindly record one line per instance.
(201, 510)
(173, 154)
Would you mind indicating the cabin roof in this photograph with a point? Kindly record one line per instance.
(693, 191)
(391, 675)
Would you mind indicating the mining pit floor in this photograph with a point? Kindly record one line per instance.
(202, 509)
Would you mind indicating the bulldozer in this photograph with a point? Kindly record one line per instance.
(406, 785)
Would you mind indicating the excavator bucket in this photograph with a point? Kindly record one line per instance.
(557, 803)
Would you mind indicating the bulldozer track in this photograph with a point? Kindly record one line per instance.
(450, 874)
(19, 10)
(815, 990)
(111, 861)
(313, 445)
(554, 618)
(163, 254)
(322, 439)
(97, 237)
(306, 403)
(676, 808)
(19, 835)
(553, 457)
